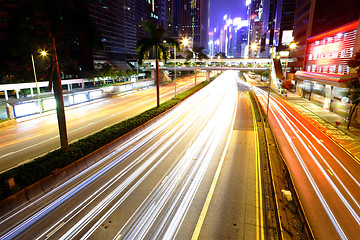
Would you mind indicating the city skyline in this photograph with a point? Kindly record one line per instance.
(234, 8)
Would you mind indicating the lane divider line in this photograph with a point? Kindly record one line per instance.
(259, 203)
(200, 222)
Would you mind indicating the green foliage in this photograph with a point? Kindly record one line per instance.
(196, 52)
(41, 167)
(212, 78)
(4, 120)
(265, 73)
(353, 84)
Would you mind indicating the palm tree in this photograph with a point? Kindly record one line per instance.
(196, 53)
(157, 39)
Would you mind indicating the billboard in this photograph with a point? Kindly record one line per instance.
(329, 52)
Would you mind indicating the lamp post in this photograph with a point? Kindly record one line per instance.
(175, 66)
(43, 53)
(291, 46)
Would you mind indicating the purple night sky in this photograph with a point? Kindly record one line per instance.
(218, 8)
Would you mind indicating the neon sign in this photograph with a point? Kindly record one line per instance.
(328, 52)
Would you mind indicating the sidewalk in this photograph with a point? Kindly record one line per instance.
(325, 120)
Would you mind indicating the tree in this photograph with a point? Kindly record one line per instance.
(196, 53)
(157, 39)
(353, 84)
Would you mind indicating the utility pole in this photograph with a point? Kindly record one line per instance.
(59, 101)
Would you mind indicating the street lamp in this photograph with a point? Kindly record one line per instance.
(175, 60)
(185, 42)
(291, 47)
(43, 53)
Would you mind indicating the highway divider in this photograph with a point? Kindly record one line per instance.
(22, 183)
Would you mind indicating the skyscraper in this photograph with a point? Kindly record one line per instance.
(254, 14)
(277, 25)
(119, 25)
(189, 18)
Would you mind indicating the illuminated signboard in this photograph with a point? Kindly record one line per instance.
(287, 37)
(329, 52)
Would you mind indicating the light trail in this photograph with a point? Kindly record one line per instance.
(200, 150)
(81, 128)
(161, 125)
(179, 121)
(139, 172)
(276, 108)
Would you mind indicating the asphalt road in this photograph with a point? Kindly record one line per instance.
(237, 209)
(33, 137)
(326, 177)
(156, 185)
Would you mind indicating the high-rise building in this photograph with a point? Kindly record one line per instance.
(235, 37)
(277, 26)
(241, 41)
(267, 28)
(254, 15)
(315, 17)
(119, 25)
(189, 18)
(284, 24)
(303, 20)
(332, 14)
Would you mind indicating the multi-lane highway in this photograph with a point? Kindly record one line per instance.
(32, 138)
(326, 177)
(162, 182)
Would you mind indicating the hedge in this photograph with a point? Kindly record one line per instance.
(5, 120)
(41, 167)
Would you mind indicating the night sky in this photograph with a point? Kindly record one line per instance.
(218, 8)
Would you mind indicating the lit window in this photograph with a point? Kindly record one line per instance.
(343, 53)
(332, 69)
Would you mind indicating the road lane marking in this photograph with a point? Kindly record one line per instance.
(55, 229)
(258, 192)
(330, 172)
(200, 222)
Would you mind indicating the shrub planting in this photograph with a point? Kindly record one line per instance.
(41, 167)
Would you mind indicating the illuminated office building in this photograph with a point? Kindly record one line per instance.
(189, 18)
(119, 25)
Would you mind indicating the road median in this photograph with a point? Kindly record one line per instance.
(83, 153)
